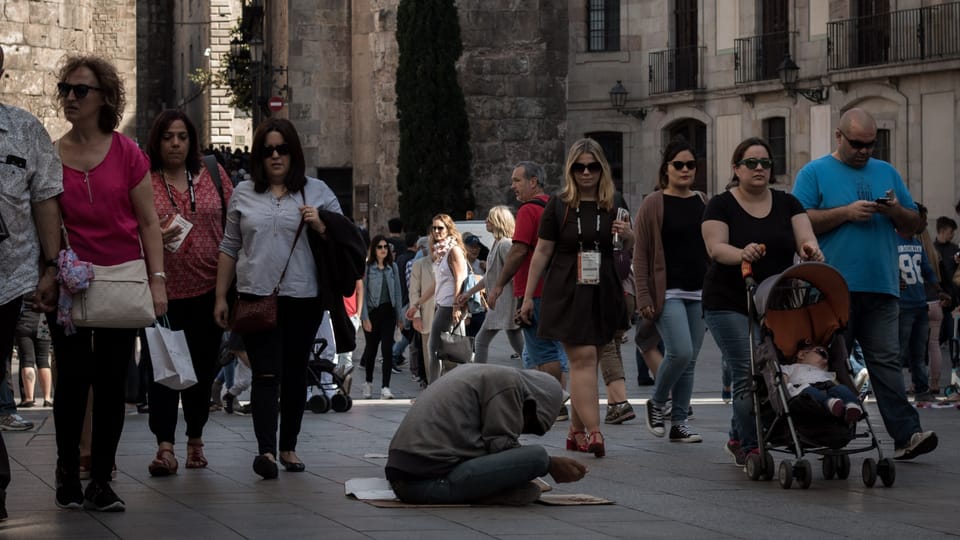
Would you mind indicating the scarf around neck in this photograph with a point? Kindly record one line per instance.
(441, 248)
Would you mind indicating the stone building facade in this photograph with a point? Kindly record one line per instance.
(36, 36)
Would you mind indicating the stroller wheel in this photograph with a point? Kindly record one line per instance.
(769, 468)
(804, 473)
(843, 467)
(340, 403)
(868, 472)
(887, 472)
(785, 474)
(829, 467)
(319, 403)
(754, 466)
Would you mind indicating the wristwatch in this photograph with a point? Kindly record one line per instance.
(161, 275)
(52, 263)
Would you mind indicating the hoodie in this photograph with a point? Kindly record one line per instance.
(475, 410)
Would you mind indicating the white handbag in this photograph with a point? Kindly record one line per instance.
(118, 297)
(172, 364)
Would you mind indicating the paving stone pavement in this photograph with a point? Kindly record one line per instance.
(660, 489)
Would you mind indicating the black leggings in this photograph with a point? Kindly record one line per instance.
(195, 317)
(278, 360)
(383, 322)
(9, 313)
(96, 357)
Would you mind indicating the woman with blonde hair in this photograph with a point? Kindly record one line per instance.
(500, 223)
(585, 305)
(450, 269)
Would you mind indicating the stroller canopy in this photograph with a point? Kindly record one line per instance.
(808, 301)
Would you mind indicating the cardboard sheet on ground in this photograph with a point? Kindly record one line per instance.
(377, 492)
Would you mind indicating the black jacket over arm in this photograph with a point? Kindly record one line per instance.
(340, 259)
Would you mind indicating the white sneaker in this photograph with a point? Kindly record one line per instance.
(367, 390)
(385, 393)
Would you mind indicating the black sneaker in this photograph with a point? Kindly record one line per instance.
(242, 410)
(101, 498)
(655, 419)
(920, 443)
(69, 491)
(681, 433)
(396, 369)
(399, 361)
(564, 414)
(228, 400)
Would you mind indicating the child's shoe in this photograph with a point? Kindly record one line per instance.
(853, 413)
(835, 406)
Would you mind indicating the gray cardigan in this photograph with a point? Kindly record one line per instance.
(260, 231)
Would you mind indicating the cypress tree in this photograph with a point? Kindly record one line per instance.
(434, 157)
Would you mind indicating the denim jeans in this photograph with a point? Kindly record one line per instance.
(824, 395)
(538, 351)
(730, 331)
(874, 320)
(681, 327)
(477, 478)
(914, 326)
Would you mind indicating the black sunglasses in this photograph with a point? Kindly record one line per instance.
(679, 165)
(382, 246)
(438, 228)
(594, 167)
(79, 90)
(751, 163)
(282, 149)
(858, 145)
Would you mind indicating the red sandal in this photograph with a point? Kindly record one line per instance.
(195, 459)
(576, 440)
(596, 445)
(165, 464)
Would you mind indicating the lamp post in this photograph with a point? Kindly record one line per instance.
(618, 99)
(789, 73)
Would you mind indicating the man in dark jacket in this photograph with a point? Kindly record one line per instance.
(459, 443)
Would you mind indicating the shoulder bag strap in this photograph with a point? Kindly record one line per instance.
(294, 246)
(214, 169)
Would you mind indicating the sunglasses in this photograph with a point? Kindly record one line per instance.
(80, 91)
(438, 229)
(579, 168)
(282, 149)
(382, 246)
(679, 165)
(751, 163)
(858, 145)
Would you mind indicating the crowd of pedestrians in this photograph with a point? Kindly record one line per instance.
(252, 229)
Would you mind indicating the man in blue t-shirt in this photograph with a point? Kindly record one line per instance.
(855, 204)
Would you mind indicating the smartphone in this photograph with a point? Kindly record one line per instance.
(883, 200)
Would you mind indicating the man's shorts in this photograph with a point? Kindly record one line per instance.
(536, 351)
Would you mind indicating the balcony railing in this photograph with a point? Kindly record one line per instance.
(675, 70)
(908, 35)
(757, 58)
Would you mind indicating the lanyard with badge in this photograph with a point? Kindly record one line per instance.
(193, 197)
(177, 218)
(588, 261)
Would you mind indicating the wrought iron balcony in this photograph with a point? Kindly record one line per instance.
(909, 35)
(675, 70)
(757, 58)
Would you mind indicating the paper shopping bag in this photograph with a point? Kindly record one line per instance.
(172, 365)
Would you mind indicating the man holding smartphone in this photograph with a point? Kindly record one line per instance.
(856, 204)
(30, 180)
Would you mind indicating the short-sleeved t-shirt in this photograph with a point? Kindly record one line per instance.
(526, 232)
(96, 206)
(724, 288)
(865, 252)
(683, 247)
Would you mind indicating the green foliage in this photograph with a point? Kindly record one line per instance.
(434, 161)
(234, 75)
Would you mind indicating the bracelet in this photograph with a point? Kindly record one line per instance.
(50, 263)
(161, 275)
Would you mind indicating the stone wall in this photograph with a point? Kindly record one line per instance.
(36, 35)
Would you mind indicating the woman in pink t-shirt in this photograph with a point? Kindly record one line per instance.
(192, 210)
(108, 214)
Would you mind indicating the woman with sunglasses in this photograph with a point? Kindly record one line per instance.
(585, 305)
(450, 269)
(749, 222)
(381, 314)
(669, 264)
(191, 209)
(266, 249)
(109, 219)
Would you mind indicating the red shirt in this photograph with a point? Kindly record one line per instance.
(528, 225)
(192, 269)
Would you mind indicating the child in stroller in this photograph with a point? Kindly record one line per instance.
(808, 376)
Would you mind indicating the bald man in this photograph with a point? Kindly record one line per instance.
(855, 203)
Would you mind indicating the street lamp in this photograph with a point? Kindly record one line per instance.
(618, 99)
(789, 72)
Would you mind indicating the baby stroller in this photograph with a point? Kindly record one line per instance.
(808, 301)
(323, 375)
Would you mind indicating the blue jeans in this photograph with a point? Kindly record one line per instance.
(839, 391)
(538, 351)
(914, 327)
(8, 404)
(477, 478)
(874, 321)
(730, 331)
(681, 327)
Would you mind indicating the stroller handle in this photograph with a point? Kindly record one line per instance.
(746, 270)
